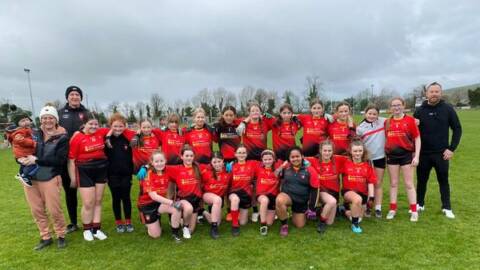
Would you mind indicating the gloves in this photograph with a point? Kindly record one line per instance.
(229, 166)
(142, 173)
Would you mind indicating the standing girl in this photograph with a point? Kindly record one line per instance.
(343, 129)
(284, 131)
(358, 181)
(172, 140)
(226, 134)
(402, 148)
(372, 132)
(315, 127)
(144, 143)
(200, 137)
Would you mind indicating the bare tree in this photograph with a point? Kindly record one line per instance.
(314, 88)
(113, 106)
(230, 99)
(157, 105)
(244, 96)
(140, 107)
(219, 96)
(261, 97)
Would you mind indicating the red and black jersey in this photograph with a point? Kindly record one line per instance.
(88, 147)
(255, 137)
(172, 143)
(188, 184)
(142, 153)
(201, 142)
(357, 176)
(283, 138)
(228, 139)
(267, 183)
(243, 175)
(215, 182)
(153, 182)
(315, 131)
(328, 172)
(340, 134)
(400, 135)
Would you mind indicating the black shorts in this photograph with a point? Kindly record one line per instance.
(379, 163)
(149, 213)
(331, 192)
(118, 181)
(194, 201)
(364, 197)
(245, 199)
(401, 160)
(299, 207)
(91, 173)
(271, 201)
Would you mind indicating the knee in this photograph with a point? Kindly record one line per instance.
(154, 235)
(234, 200)
(217, 201)
(263, 200)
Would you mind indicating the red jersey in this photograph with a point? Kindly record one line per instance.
(227, 138)
(255, 137)
(357, 176)
(188, 184)
(243, 175)
(315, 131)
(283, 138)
(216, 183)
(328, 172)
(172, 143)
(141, 154)
(267, 183)
(154, 182)
(88, 147)
(201, 142)
(340, 135)
(400, 135)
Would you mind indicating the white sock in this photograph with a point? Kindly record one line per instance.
(378, 207)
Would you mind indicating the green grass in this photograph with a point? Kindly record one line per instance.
(433, 243)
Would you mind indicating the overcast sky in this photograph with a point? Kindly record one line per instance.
(176, 48)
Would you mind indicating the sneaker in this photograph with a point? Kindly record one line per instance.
(129, 228)
(228, 217)
(368, 212)
(200, 219)
(356, 228)
(420, 208)
(100, 235)
(186, 233)
(378, 213)
(263, 230)
(88, 235)
(176, 238)
(25, 181)
(214, 232)
(284, 230)
(43, 243)
(255, 217)
(235, 231)
(61, 242)
(321, 227)
(414, 217)
(71, 228)
(448, 213)
(311, 215)
(121, 228)
(391, 214)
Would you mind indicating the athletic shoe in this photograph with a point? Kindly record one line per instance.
(263, 230)
(186, 233)
(356, 228)
(321, 227)
(121, 228)
(420, 208)
(228, 217)
(61, 242)
(71, 228)
(214, 232)
(43, 243)
(25, 181)
(176, 238)
(378, 213)
(100, 235)
(255, 217)
(368, 212)
(235, 231)
(130, 228)
(284, 230)
(414, 217)
(200, 219)
(311, 215)
(88, 235)
(448, 213)
(391, 214)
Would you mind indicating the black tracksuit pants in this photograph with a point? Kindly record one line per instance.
(427, 162)
(70, 197)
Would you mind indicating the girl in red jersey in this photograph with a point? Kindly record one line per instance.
(200, 137)
(328, 167)
(154, 200)
(284, 131)
(358, 182)
(215, 181)
(267, 188)
(402, 148)
(241, 188)
(87, 167)
(226, 134)
(315, 127)
(343, 129)
(187, 179)
(144, 143)
(172, 140)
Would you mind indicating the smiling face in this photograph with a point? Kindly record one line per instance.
(118, 127)
(433, 94)
(241, 154)
(255, 112)
(25, 123)
(326, 152)
(199, 120)
(397, 107)
(371, 115)
(146, 128)
(286, 114)
(158, 162)
(228, 116)
(295, 158)
(91, 126)
(268, 160)
(217, 164)
(188, 156)
(357, 153)
(316, 110)
(343, 112)
(74, 99)
(48, 121)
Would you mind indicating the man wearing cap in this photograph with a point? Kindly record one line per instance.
(436, 119)
(71, 118)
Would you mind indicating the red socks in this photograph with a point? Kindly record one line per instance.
(413, 207)
(119, 222)
(128, 221)
(323, 219)
(235, 218)
(87, 227)
(393, 206)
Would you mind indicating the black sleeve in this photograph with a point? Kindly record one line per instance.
(416, 113)
(456, 127)
(60, 157)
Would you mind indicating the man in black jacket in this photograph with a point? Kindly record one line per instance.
(71, 118)
(436, 118)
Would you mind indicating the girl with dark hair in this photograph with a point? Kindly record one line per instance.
(225, 133)
(284, 131)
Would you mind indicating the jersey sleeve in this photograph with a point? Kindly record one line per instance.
(172, 172)
(159, 134)
(269, 122)
(339, 162)
(103, 131)
(129, 134)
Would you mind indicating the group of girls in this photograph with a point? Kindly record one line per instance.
(180, 174)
